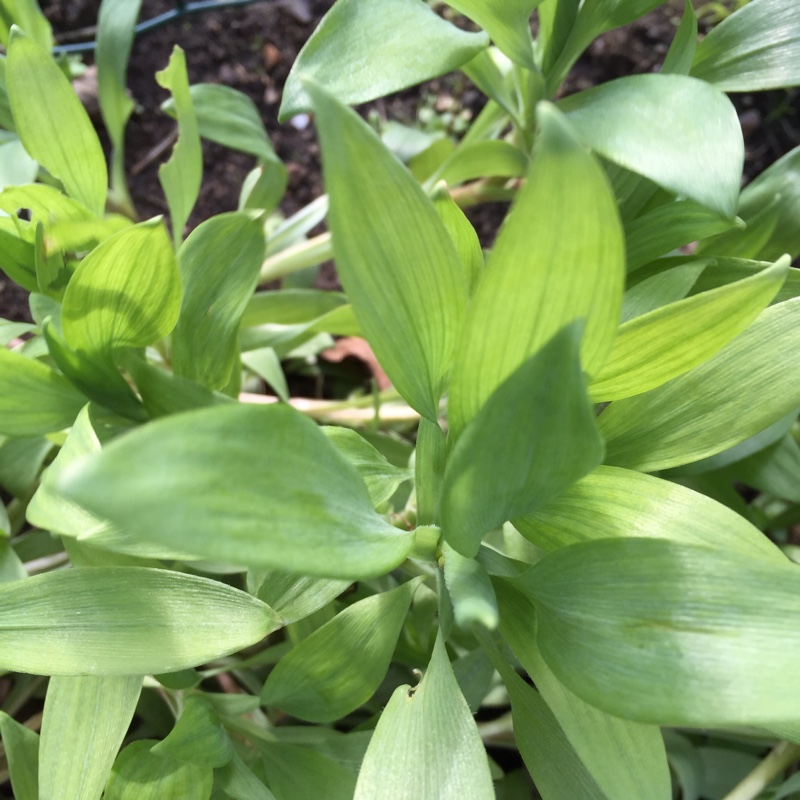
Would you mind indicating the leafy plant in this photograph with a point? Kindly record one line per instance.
(583, 399)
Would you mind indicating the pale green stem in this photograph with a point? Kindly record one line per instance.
(780, 757)
(307, 253)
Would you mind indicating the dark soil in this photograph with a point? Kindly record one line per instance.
(252, 48)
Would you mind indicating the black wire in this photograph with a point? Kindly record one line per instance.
(182, 9)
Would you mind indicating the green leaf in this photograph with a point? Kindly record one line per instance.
(18, 257)
(624, 758)
(240, 783)
(411, 307)
(299, 772)
(83, 715)
(294, 598)
(139, 774)
(125, 293)
(181, 176)
(662, 344)
(775, 470)
(508, 24)
(462, 233)
(34, 399)
(669, 285)
(315, 519)
(682, 50)
(470, 590)
(743, 389)
(338, 667)
(198, 737)
(484, 159)
(380, 477)
(264, 186)
(756, 48)
(699, 155)
(611, 503)
(769, 205)
(21, 746)
(564, 215)
(230, 118)
(219, 264)
(28, 15)
(713, 630)
(116, 21)
(416, 45)
(124, 620)
(52, 123)
(426, 742)
(497, 471)
(290, 306)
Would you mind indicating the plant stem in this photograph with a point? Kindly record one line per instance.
(780, 757)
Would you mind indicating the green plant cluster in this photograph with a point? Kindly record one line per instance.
(294, 610)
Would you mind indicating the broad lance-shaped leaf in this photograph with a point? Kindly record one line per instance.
(716, 632)
(470, 590)
(124, 620)
(181, 176)
(293, 597)
(338, 667)
(624, 758)
(198, 737)
(52, 123)
(125, 293)
(740, 391)
(34, 399)
(426, 743)
(507, 23)
(415, 45)
(140, 774)
(499, 470)
(83, 714)
(409, 292)
(219, 264)
(698, 155)
(278, 495)
(21, 746)
(756, 48)
(656, 347)
(295, 771)
(566, 216)
(611, 502)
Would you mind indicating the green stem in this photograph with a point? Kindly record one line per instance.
(307, 253)
(780, 757)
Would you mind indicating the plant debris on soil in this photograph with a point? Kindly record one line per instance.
(252, 48)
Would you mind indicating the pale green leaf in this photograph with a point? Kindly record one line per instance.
(611, 502)
(470, 590)
(700, 153)
(338, 667)
(266, 363)
(669, 226)
(415, 45)
(714, 631)
(34, 399)
(775, 470)
(278, 495)
(489, 71)
(409, 292)
(566, 216)
(756, 48)
(682, 50)
(507, 23)
(125, 293)
(28, 15)
(462, 233)
(230, 118)
(83, 715)
(16, 166)
(290, 306)
(669, 285)
(498, 470)
(426, 743)
(749, 384)
(219, 264)
(380, 477)
(483, 159)
(769, 205)
(264, 186)
(11, 568)
(139, 774)
(21, 746)
(239, 782)
(198, 737)
(124, 620)
(294, 598)
(626, 759)
(662, 344)
(181, 176)
(52, 123)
